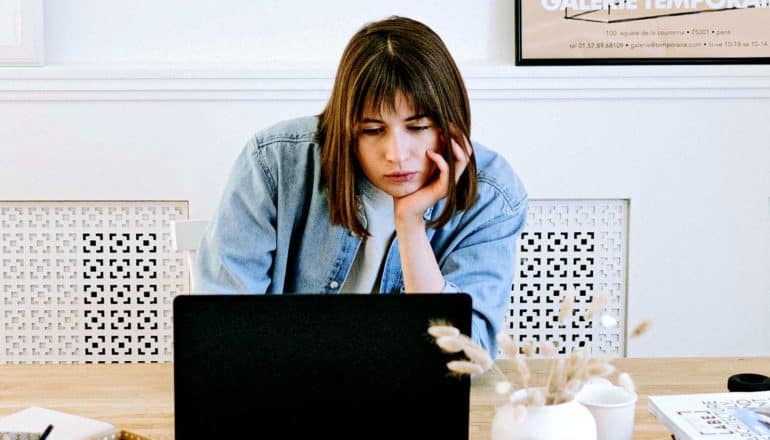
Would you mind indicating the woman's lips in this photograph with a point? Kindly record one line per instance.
(401, 176)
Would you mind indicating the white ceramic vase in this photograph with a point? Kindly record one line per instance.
(565, 421)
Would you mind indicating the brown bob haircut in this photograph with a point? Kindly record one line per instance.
(383, 58)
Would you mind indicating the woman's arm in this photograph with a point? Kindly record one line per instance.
(236, 253)
(481, 259)
(418, 263)
(481, 263)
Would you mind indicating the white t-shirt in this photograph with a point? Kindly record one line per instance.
(366, 271)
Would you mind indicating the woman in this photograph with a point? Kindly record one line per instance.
(380, 193)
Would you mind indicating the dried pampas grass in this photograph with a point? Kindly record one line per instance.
(596, 306)
(640, 329)
(450, 340)
(450, 344)
(565, 309)
(528, 349)
(566, 375)
(548, 349)
(439, 330)
(503, 387)
(625, 381)
(465, 367)
(478, 355)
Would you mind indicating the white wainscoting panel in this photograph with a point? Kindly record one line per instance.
(88, 281)
(577, 247)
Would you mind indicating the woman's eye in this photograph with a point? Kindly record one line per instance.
(371, 131)
(419, 127)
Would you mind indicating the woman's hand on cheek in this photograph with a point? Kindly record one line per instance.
(411, 208)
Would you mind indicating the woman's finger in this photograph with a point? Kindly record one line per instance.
(461, 159)
(441, 164)
(442, 180)
(456, 134)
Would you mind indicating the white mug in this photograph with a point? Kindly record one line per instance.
(613, 409)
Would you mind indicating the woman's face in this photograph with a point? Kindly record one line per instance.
(391, 148)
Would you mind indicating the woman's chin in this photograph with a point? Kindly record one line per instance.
(398, 191)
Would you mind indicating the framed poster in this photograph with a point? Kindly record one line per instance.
(21, 32)
(579, 32)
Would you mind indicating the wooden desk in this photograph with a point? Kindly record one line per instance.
(652, 377)
(139, 397)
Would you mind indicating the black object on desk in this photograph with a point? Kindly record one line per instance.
(317, 366)
(46, 432)
(748, 382)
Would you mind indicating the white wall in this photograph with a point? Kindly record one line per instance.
(153, 100)
(257, 34)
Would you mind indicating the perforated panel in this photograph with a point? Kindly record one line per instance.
(88, 281)
(577, 245)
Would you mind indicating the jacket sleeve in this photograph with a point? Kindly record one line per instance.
(482, 265)
(236, 252)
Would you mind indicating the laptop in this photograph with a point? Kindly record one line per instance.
(317, 366)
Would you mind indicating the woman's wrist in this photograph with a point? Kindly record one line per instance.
(408, 225)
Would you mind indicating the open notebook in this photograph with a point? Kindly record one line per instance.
(29, 424)
(723, 416)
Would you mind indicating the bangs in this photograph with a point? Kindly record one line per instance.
(381, 83)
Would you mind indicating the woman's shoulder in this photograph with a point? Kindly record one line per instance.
(496, 177)
(283, 152)
(302, 129)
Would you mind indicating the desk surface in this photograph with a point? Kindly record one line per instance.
(139, 397)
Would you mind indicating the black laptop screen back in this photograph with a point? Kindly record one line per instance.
(317, 366)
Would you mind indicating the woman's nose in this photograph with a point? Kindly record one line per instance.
(397, 148)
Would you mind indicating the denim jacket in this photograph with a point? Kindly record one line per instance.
(271, 233)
